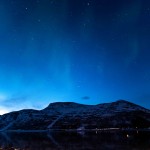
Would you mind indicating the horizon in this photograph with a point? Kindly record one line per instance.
(1, 113)
(87, 51)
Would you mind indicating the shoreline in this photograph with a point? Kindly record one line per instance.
(74, 130)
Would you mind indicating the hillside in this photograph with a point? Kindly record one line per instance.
(69, 115)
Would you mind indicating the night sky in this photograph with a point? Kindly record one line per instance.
(85, 51)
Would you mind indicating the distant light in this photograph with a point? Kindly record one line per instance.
(127, 135)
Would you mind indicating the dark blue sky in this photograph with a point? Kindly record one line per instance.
(63, 50)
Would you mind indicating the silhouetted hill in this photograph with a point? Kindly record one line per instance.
(69, 115)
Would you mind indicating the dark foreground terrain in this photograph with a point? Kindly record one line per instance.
(114, 140)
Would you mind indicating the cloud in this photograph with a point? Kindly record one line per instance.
(14, 104)
(14, 100)
(86, 98)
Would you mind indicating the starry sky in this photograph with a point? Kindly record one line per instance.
(85, 51)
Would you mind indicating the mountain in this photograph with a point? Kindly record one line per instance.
(69, 115)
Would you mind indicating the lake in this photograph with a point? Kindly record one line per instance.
(114, 140)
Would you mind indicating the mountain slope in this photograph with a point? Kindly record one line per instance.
(69, 115)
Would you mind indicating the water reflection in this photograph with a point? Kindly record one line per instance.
(75, 141)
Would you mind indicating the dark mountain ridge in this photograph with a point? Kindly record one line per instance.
(70, 115)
